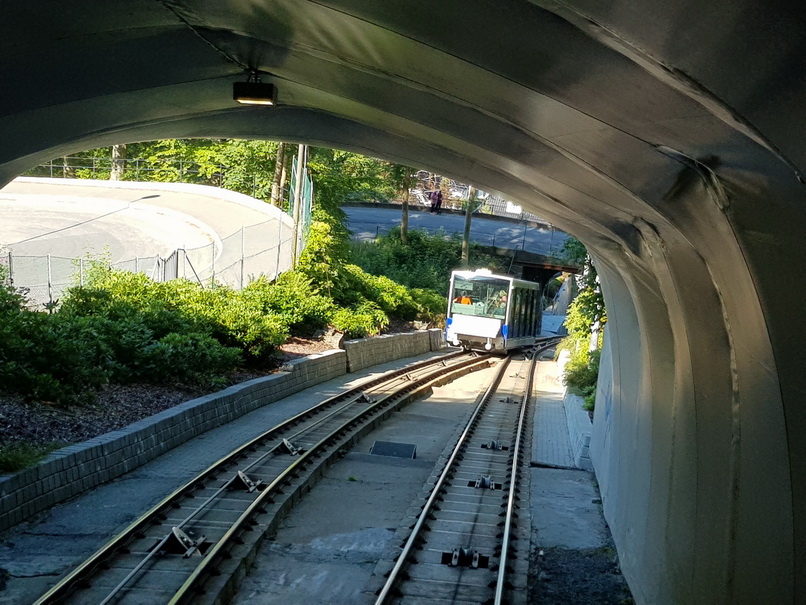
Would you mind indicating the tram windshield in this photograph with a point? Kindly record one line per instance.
(482, 296)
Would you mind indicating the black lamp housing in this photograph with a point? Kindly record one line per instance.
(253, 93)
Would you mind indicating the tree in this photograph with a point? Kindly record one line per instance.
(278, 177)
(118, 162)
(403, 177)
(469, 209)
(584, 320)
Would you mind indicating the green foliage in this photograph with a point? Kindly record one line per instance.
(190, 357)
(360, 320)
(581, 374)
(430, 305)
(341, 176)
(426, 261)
(392, 298)
(585, 312)
(247, 166)
(185, 307)
(17, 456)
(573, 251)
(49, 357)
(326, 251)
(294, 299)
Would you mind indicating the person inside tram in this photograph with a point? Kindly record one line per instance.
(463, 299)
(498, 305)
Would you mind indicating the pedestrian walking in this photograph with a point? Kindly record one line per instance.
(438, 201)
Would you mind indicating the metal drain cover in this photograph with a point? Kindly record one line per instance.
(390, 448)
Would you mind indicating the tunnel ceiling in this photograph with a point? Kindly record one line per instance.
(584, 113)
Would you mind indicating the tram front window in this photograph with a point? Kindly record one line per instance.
(481, 296)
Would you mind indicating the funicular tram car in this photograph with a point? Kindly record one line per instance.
(492, 312)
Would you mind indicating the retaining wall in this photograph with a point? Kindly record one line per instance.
(75, 469)
(367, 352)
(579, 430)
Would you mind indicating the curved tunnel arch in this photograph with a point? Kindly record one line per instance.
(678, 179)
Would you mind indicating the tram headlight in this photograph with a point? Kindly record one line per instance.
(488, 345)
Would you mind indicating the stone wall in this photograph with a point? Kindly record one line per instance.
(367, 352)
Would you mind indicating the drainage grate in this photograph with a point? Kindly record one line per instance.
(390, 448)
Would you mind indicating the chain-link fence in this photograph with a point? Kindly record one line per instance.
(261, 249)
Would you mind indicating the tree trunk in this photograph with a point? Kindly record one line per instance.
(118, 162)
(298, 190)
(284, 175)
(279, 171)
(68, 172)
(471, 196)
(404, 223)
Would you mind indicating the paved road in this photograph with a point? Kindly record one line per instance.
(227, 236)
(66, 217)
(72, 218)
(367, 222)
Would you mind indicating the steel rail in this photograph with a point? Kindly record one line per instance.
(186, 592)
(394, 575)
(80, 574)
(207, 501)
(513, 481)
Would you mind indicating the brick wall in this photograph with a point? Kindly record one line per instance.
(366, 352)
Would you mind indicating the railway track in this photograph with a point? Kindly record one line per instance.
(194, 545)
(463, 547)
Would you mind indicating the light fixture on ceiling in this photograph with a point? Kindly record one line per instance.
(253, 91)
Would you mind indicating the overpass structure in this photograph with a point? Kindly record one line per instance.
(666, 135)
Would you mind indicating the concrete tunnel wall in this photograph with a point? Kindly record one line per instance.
(688, 433)
(576, 113)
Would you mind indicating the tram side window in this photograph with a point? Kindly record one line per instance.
(517, 314)
(527, 312)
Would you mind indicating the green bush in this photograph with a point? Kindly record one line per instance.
(581, 373)
(50, 357)
(392, 298)
(360, 320)
(293, 298)
(425, 261)
(189, 357)
(431, 306)
(182, 306)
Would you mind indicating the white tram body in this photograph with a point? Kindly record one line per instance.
(492, 312)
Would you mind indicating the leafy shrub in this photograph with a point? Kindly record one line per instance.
(581, 373)
(426, 261)
(243, 326)
(326, 251)
(187, 357)
(431, 306)
(392, 298)
(293, 298)
(182, 306)
(363, 319)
